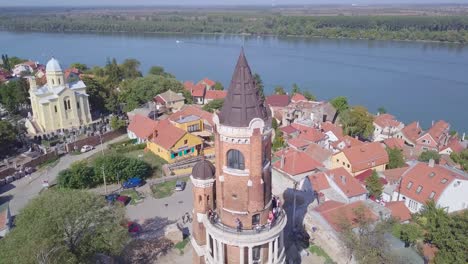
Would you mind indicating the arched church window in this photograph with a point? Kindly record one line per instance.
(59, 81)
(199, 199)
(65, 104)
(69, 106)
(53, 82)
(235, 159)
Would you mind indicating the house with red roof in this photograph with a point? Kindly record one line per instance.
(209, 84)
(310, 134)
(386, 126)
(410, 133)
(295, 164)
(319, 154)
(425, 181)
(362, 157)
(454, 146)
(211, 95)
(277, 100)
(203, 92)
(172, 143)
(297, 97)
(192, 110)
(72, 73)
(399, 211)
(289, 131)
(343, 143)
(169, 100)
(141, 128)
(435, 138)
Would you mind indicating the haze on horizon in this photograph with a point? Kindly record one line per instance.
(222, 2)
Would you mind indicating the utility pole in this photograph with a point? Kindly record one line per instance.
(103, 173)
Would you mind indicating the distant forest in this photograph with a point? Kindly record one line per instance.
(427, 28)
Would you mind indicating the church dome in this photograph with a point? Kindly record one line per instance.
(53, 65)
(203, 170)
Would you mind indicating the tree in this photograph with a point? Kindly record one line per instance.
(395, 157)
(278, 142)
(98, 94)
(214, 105)
(218, 86)
(461, 158)
(80, 66)
(309, 96)
(6, 62)
(427, 155)
(129, 69)
(274, 124)
(119, 168)
(8, 137)
(14, 95)
(259, 84)
(279, 90)
(158, 70)
(374, 185)
(357, 122)
(113, 72)
(340, 103)
(64, 226)
(117, 123)
(78, 176)
(295, 89)
(410, 233)
(381, 110)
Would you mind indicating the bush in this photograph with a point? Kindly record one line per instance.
(118, 167)
(428, 155)
(78, 176)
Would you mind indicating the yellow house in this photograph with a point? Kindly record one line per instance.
(58, 104)
(190, 123)
(360, 158)
(172, 143)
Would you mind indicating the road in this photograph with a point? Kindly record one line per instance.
(21, 191)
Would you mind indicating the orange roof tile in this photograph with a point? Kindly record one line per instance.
(207, 82)
(295, 162)
(277, 100)
(319, 181)
(188, 85)
(335, 213)
(318, 153)
(142, 126)
(192, 110)
(298, 97)
(366, 156)
(198, 90)
(214, 94)
(298, 143)
(346, 182)
(455, 145)
(439, 130)
(399, 210)
(412, 131)
(309, 133)
(429, 181)
(167, 134)
(288, 129)
(394, 143)
(386, 120)
(394, 175)
(328, 126)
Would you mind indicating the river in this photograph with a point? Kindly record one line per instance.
(412, 80)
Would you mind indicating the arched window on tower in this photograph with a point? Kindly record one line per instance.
(59, 81)
(53, 82)
(69, 106)
(65, 104)
(235, 159)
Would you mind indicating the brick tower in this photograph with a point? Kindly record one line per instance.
(243, 227)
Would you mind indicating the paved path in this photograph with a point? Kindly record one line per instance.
(21, 191)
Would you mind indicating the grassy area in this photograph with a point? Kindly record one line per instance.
(181, 245)
(165, 189)
(316, 250)
(50, 163)
(134, 195)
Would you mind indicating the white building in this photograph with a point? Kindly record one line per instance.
(386, 126)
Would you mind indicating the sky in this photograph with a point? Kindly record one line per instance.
(212, 2)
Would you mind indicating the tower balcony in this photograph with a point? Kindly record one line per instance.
(246, 237)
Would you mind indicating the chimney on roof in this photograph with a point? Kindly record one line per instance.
(432, 122)
(417, 124)
(431, 163)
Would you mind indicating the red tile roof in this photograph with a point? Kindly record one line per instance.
(295, 162)
(142, 126)
(288, 129)
(188, 85)
(362, 177)
(399, 210)
(71, 70)
(298, 97)
(318, 153)
(198, 90)
(309, 133)
(215, 94)
(298, 143)
(386, 120)
(412, 131)
(366, 156)
(394, 175)
(207, 82)
(431, 179)
(335, 213)
(192, 110)
(328, 126)
(319, 181)
(439, 130)
(277, 100)
(167, 134)
(455, 145)
(348, 142)
(346, 182)
(394, 143)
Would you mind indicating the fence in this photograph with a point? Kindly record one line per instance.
(94, 140)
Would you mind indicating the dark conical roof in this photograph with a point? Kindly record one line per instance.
(203, 170)
(243, 102)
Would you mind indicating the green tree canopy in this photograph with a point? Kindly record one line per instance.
(374, 185)
(64, 226)
(427, 155)
(214, 105)
(119, 168)
(309, 96)
(382, 110)
(130, 69)
(98, 94)
(78, 176)
(14, 94)
(410, 233)
(259, 84)
(278, 142)
(340, 103)
(80, 66)
(295, 89)
(357, 122)
(279, 90)
(8, 137)
(218, 86)
(396, 159)
(461, 158)
(117, 123)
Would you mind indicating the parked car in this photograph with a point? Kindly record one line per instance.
(133, 227)
(132, 183)
(124, 200)
(111, 198)
(180, 185)
(86, 148)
